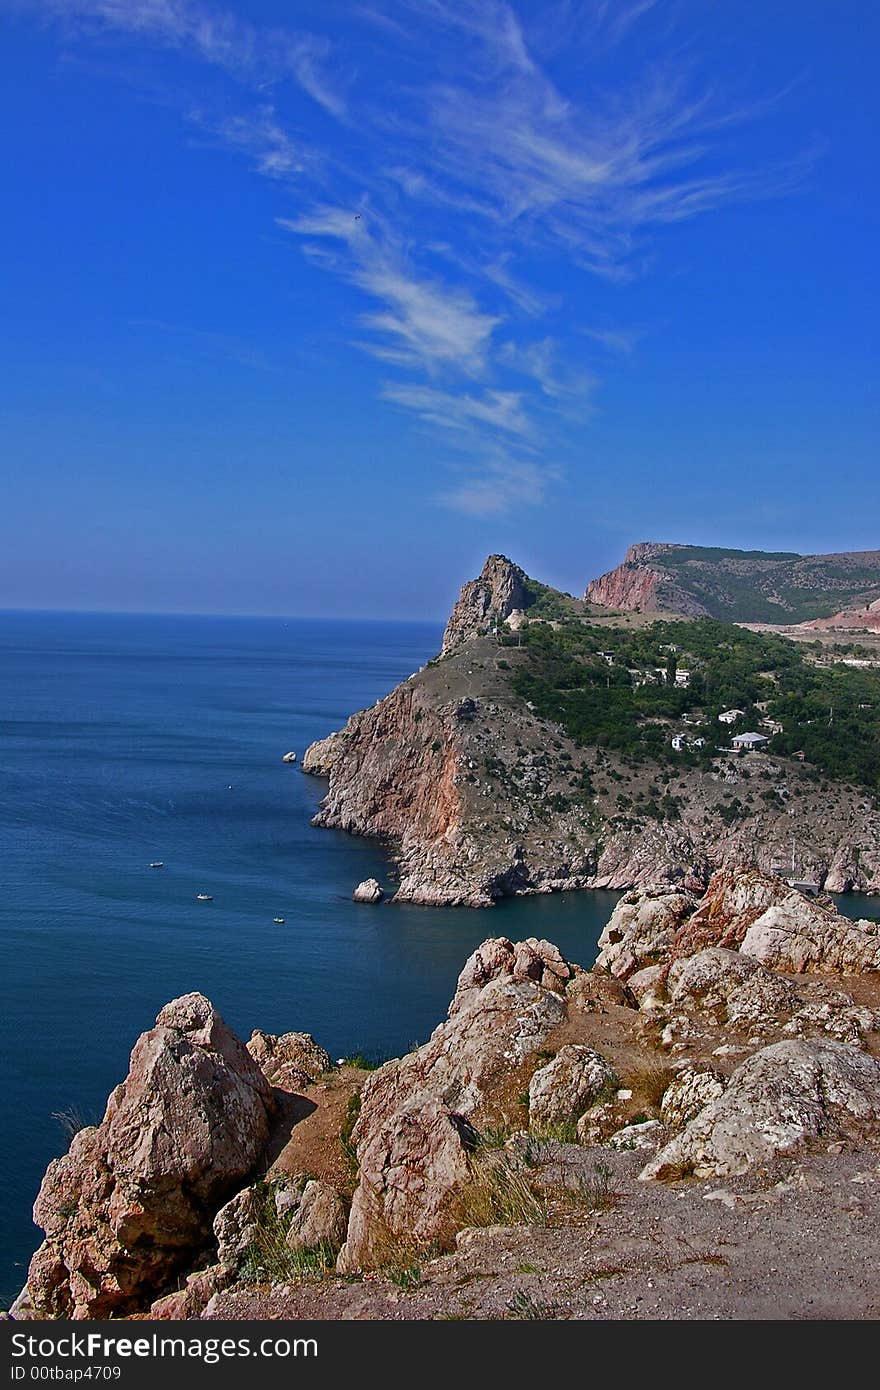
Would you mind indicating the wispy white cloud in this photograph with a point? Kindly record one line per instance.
(541, 362)
(455, 410)
(514, 165)
(217, 37)
(260, 135)
(422, 322)
(498, 486)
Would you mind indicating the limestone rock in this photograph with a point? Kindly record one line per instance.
(642, 930)
(369, 891)
(776, 1100)
(413, 1136)
(591, 992)
(499, 591)
(132, 1200)
(645, 1135)
(289, 1060)
(687, 1093)
(560, 1092)
(320, 1219)
(648, 987)
(796, 935)
(321, 757)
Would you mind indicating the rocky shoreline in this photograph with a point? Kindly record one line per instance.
(716, 1071)
(479, 798)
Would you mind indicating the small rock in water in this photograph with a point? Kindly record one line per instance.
(369, 891)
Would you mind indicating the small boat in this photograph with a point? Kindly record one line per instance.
(204, 898)
(279, 921)
(288, 757)
(157, 864)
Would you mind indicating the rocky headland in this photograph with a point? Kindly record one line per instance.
(478, 796)
(690, 1128)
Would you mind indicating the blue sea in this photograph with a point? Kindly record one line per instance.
(126, 739)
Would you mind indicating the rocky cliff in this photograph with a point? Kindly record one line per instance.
(738, 585)
(501, 589)
(714, 1077)
(478, 798)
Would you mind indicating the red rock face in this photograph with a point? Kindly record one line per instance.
(630, 588)
(642, 585)
(865, 619)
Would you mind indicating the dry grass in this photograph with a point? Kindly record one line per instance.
(651, 1082)
(499, 1195)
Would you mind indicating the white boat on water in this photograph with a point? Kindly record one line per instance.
(157, 864)
(279, 921)
(204, 898)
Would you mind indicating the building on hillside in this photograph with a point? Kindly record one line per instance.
(730, 716)
(746, 743)
(683, 678)
(771, 726)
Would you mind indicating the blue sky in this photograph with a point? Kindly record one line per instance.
(308, 307)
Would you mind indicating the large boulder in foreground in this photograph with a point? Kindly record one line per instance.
(131, 1203)
(414, 1135)
(776, 1101)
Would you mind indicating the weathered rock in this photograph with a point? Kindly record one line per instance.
(648, 1134)
(369, 891)
(413, 1135)
(132, 1201)
(796, 935)
(288, 1060)
(648, 986)
(499, 591)
(591, 992)
(320, 1219)
(560, 1092)
(641, 930)
(321, 757)
(687, 1094)
(736, 984)
(776, 1100)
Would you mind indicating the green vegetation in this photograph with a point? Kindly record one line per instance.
(614, 688)
(772, 587)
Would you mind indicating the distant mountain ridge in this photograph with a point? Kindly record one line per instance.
(738, 585)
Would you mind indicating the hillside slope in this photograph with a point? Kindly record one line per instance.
(738, 585)
(540, 758)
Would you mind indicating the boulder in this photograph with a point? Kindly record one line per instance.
(642, 930)
(560, 1092)
(687, 1094)
(288, 1060)
(132, 1201)
(369, 891)
(796, 935)
(320, 1219)
(646, 1135)
(414, 1135)
(776, 1101)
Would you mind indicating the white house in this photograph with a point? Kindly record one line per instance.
(745, 742)
(730, 716)
(683, 678)
(679, 741)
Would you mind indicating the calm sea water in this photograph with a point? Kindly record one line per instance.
(130, 739)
